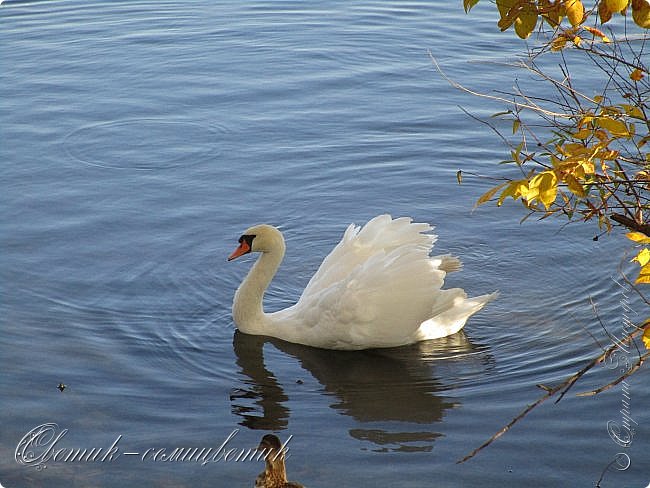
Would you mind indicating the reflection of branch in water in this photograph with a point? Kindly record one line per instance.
(381, 385)
(264, 392)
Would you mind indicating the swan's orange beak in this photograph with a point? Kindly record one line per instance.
(243, 248)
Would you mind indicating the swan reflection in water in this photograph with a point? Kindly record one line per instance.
(372, 386)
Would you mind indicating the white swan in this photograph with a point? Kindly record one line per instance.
(377, 288)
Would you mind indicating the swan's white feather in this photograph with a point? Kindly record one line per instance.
(379, 287)
(358, 245)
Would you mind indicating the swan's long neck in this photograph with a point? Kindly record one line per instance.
(248, 308)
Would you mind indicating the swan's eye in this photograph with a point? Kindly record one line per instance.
(248, 238)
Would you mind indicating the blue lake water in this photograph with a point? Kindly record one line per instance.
(140, 138)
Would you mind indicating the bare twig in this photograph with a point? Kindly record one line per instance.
(611, 384)
(602, 54)
(563, 388)
(458, 86)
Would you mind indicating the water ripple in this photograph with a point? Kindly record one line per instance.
(143, 144)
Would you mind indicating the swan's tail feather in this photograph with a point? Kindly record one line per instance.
(450, 312)
(447, 263)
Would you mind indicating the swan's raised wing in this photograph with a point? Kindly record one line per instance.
(380, 235)
(380, 303)
(375, 288)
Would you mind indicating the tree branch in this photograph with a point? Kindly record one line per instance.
(458, 86)
(609, 385)
(631, 223)
(563, 387)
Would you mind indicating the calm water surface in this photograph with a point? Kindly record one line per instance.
(140, 138)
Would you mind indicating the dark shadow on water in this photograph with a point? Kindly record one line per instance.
(395, 390)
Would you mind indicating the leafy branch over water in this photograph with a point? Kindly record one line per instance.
(576, 155)
(595, 166)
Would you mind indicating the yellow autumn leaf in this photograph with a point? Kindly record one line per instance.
(588, 166)
(616, 5)
(610, 111)
(606, 154)
(543, 187)
(489, 194)
(468, 4)
(641, 13)
(585, 120)
(575, 12)
(644, 140)
(507, 12)
(617, 128)
(571, 168)
(515, 189)
(504, 6)
(639, 237)
(558, 43)
(633, 111)
(583, 167)
(583, 134)
(643, 257)
(646, 337)
(602, 135)
(574, 185)
(604, 13)
(644, 275)
(551, 12)
(636, 75)
(598, 33)
(574, 149)
(525, 23)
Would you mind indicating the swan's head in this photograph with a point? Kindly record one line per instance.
(259, 238)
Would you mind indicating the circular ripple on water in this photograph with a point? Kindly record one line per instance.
(143, 144)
